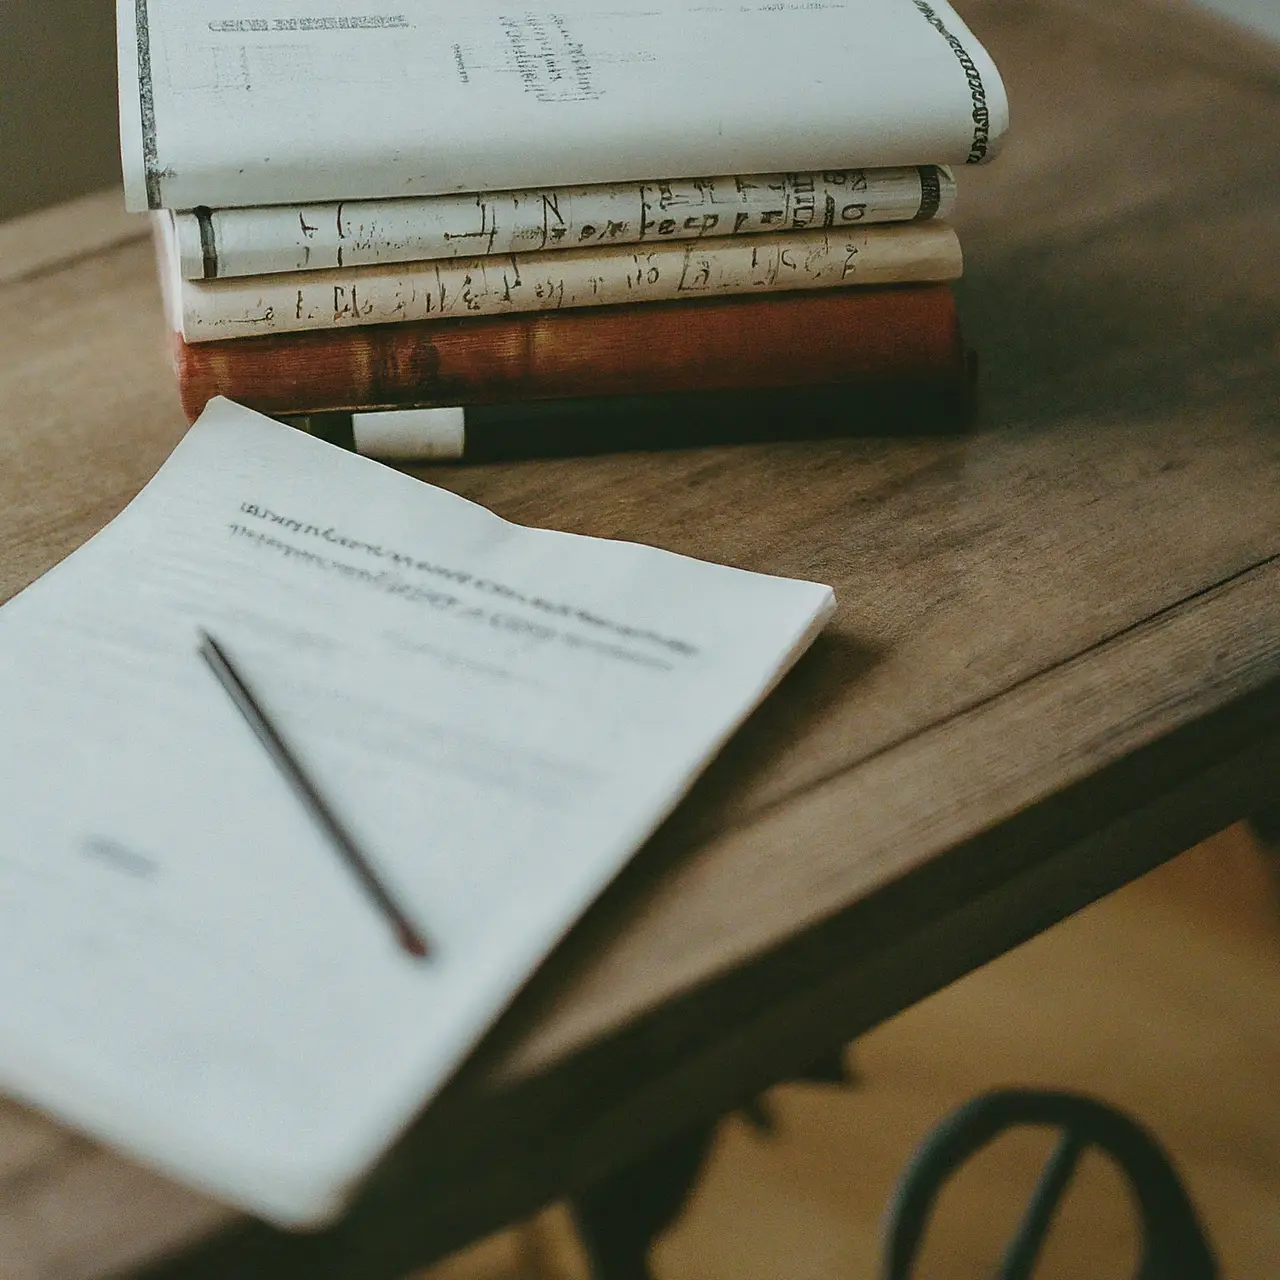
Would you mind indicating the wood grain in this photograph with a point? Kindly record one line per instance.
(1056, 660)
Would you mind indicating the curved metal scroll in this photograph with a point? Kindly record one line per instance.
(1173, 1244)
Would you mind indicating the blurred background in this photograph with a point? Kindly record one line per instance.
(58, 132)
(1162, 999)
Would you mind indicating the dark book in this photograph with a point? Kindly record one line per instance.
(668, 420)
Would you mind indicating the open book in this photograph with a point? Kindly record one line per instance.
(499, 715)
(237, 105)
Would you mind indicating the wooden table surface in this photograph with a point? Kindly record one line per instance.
(1056, 659)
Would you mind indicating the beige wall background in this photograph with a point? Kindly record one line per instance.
(57, 101)
(58, 133)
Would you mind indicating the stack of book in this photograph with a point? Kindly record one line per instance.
(418, 230)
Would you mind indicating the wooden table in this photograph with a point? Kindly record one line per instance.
(1056, 660)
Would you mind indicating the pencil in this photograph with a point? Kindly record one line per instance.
(286, 761)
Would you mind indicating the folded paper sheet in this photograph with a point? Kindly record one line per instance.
(500, 715)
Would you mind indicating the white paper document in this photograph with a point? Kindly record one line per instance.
(499, 715)
(233, 103)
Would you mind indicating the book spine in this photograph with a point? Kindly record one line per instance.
(841, 336)
(923, 251)
(674, 420)
(217, 243)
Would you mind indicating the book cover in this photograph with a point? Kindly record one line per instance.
(207, 310)
(215, 243)
(842, 336)
(240, 106)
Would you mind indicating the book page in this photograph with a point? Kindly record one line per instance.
(232, 104)
(499, 715)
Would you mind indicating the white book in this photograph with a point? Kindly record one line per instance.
(234, 105)
(499, 715)
(216, 243)
(208, 310)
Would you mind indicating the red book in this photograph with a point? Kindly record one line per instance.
(880, 336)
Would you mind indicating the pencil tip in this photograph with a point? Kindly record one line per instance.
(413, 944)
